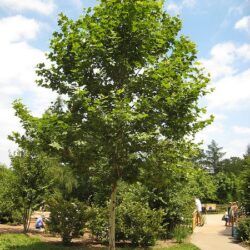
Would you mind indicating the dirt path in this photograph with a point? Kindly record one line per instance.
(214, 235)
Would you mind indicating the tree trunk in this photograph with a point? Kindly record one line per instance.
(112, 217)
(26, 220)
(25, 216)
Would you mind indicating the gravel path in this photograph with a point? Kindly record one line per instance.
(214, 235)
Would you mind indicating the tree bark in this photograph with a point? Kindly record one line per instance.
(26, 219)
(112, 217)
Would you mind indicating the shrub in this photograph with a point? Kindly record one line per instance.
(180, 233)
(67, 218)
(135, 222)
(98, 223)
(244, 229)
(13, 217)
(138, 223)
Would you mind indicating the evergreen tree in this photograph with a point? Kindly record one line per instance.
(214, 155)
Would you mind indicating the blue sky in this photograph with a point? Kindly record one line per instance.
(220, 28)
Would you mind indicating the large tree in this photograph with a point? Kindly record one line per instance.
(132, 84)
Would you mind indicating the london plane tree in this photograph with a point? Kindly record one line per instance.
(132, 82)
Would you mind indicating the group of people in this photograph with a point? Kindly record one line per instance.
(231, 215)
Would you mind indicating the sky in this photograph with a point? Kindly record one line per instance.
(220, 28)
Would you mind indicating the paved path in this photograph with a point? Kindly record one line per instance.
(214, 235)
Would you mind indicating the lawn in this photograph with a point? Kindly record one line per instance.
(23, 242)
(184, 246)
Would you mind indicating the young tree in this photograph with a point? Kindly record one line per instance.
(30, 182)
(132, 83)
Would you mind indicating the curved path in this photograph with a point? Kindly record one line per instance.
(214, 235)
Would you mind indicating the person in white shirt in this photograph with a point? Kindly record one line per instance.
(199, 210)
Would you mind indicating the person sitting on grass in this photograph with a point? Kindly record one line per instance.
(39, 222)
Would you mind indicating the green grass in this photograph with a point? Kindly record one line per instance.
(184, 246)
(24, 242)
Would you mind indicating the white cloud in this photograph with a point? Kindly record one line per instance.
(229, 67)
(45, 7)
(236, 147)
(177, 8)
(241, 130)
(77, 3)
(239, 8)
(17, 79)
(16, 28)
(174, 8)
(210, 132)
(243, 24)
(223, 59)
(188, 3)
(231, 92)
(244, 51)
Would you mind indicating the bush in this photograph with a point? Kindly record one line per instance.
(138, 223)
(244, 229)
(180, 233)
(13, 217)
(98, 223)
(67, 218)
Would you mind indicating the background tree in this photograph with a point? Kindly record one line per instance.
(214, 156)
(233, 165)
(8, 212)
(132, 84)
(244, 183)
(30, 182)
(248, 150)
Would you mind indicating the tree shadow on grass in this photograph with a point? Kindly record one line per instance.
(52, 246)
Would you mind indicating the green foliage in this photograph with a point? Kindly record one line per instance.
(233, 165)
(63, 181)
(175, 190)
(244, 229)
(132, 56)
(181, 232)
(244, 186)
(135, 220)
(138, 223)
(226, 187)
(8, 212)
(30, 183)
(67, 218)
(98, 223)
